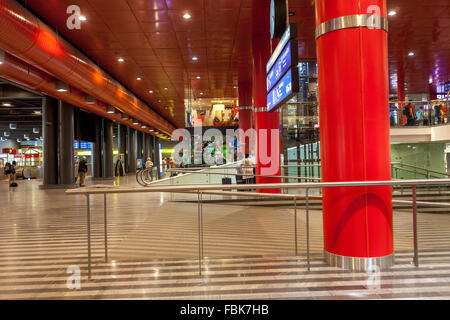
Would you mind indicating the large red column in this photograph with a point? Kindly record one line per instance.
(265, 122)
(245, 110)
(355, 142)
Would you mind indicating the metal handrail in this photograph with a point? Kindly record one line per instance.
(415, 172)
(420, 168)
(201, 189)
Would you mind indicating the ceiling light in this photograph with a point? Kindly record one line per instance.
(166, 88)
(110, 109)
(61, 86)
(120, 60)
(151, 91)
(37, 112)
(2, 56)
(6, 134)
(430, 81)
(201, 93)
(125, 116)
(13, 126)
(197, 77)
(6, 104)
(19, 140)
(138, 79)
(35, 130)
(411, 54)
(26, 136)
(195, 58)
(89, 100)
(186, 16)
(235, 87)
(135, 122)
(151, 130)
(82, 18)
(144, 126)
(392, 13)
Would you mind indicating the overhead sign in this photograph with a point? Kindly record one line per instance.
(282, 74)
(282, 91)
(280, 67)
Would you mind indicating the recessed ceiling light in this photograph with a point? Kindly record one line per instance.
(151, 91)
(392, 13)
(61, 86)
(430, 81)
(6, 104)
(201, 93)
(110, 109)
(197, 77)
(143, 126)
(166, 88)
(411, 54)
(82, 18)
(138, 79)
(195, 58)
(186, 16)
(121, 59)
(135, 122)
(235, 87)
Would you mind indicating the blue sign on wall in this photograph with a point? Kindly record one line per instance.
(83, 145)
(280, 67)
(280, 92)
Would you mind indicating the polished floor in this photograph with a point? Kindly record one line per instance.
(153, 249)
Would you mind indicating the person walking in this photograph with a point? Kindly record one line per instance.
(149, 168)
(82, 170)
(419, 116)
(10, 171)
(248, 169)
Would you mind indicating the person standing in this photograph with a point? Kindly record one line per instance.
(437, 113)
(149, 168)
(419, 116)
(82, 170)
(248, 170)
(10, 171)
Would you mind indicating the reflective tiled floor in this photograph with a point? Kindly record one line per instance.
(153, 250)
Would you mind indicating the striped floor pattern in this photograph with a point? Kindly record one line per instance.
(153, 250)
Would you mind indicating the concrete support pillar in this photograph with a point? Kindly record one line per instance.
(131, 150)
(50, 144)
(123, 144)
(98, 146)
(65, 143)
(139, 144)
(108, 169)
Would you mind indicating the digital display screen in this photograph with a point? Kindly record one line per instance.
(82, 145)
(280, 66)
(280, 92)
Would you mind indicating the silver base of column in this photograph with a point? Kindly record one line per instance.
(358, 264)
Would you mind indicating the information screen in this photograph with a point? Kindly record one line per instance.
(280, 92)
(280, 67)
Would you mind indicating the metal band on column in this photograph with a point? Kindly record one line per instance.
(261, 109)
(246, 108)
(352, 21)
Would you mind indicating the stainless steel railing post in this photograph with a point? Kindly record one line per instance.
(105, 222)
(307, 229)
(199, 236)
(416, 248)
(88, 216)
(295, 225)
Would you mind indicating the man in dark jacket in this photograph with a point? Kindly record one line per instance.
(82, 170)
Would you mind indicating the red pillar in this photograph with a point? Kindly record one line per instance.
(245, 109)
(264, 121)
(355, 142)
